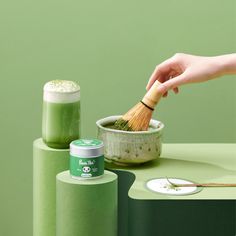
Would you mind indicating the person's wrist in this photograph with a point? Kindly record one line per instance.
(226, 64)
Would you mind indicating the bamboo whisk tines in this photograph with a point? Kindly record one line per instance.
(138, 117)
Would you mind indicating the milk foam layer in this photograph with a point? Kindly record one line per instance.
(61, 91)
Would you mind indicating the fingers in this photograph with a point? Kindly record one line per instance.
(153, 78)
(160, 72)
(165, 95)
(172, 84)
(176, 90)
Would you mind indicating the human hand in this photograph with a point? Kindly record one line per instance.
(183, 69)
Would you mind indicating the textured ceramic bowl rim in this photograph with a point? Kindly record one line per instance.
(110, 119)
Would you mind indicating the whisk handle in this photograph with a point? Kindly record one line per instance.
(153, 96)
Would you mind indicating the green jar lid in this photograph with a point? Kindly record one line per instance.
(87, 148)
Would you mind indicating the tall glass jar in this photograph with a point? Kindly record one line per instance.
(61, 113)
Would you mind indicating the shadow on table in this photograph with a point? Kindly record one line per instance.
(173, 217)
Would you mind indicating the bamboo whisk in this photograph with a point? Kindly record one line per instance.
(138, 117)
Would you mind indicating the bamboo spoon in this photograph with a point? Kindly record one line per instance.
(202, 185)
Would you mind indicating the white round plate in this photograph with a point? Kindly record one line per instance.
(161, 185)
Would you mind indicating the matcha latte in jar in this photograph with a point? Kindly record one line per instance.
(61, 113)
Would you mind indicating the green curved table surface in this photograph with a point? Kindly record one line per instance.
(209, 212)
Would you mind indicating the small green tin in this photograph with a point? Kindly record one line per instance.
(86, 158)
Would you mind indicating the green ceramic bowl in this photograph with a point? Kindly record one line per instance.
(128, 148)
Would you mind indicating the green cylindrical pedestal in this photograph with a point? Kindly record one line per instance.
(86, 207)
(47, 163)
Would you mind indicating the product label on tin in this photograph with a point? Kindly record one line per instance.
(86, 167)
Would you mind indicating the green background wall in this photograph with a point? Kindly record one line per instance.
(111, 48)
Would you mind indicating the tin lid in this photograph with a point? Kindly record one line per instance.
(87, 148)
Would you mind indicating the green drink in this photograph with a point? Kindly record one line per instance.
(61, 113)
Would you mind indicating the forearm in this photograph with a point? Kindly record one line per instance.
(226, 64)
(188, 68)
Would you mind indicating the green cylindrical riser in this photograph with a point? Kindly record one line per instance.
(86, 207)
(47, 163)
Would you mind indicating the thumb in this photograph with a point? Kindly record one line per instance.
(172, 83)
